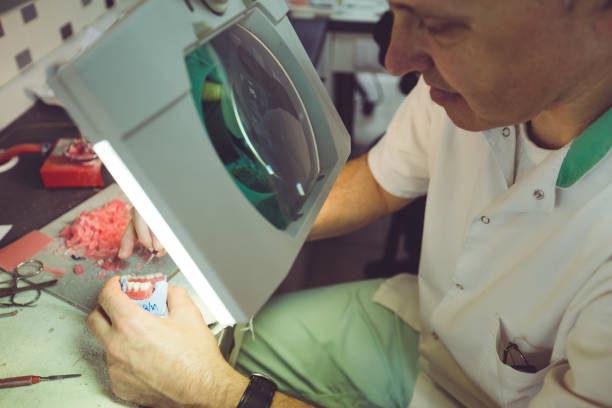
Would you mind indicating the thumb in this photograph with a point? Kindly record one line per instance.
(116, 304)
(180, 304)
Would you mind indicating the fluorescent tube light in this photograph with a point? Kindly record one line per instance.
(158, 225)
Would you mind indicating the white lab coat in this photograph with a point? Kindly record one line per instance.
(526, 262)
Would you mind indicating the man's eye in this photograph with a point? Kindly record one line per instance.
(439, 29)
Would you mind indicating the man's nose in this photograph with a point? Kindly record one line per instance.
(406, 51)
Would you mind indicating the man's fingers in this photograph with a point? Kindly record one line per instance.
(127, 242)
(157, 246)
(136, 231)
(142, 231)
(116, 304)
(98, 323)
(179, 301)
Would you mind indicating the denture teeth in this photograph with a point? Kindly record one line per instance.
(139, 290)
(154, 277)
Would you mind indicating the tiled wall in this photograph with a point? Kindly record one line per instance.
(31, 30)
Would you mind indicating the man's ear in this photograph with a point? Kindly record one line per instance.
(603, 21)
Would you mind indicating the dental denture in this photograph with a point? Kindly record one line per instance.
(153, 278)
(139, 290)
(147, 291)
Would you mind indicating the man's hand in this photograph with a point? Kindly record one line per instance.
(136, 232)
(161, 362)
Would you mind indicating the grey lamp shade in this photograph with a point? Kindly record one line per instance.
(224, 126)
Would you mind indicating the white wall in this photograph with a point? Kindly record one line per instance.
(43, 39)
(41, 35)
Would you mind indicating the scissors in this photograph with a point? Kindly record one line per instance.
(24, 271)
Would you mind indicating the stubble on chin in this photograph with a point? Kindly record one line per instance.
(464, 117)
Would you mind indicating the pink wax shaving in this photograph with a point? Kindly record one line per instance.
(78, 269)
(97, 234)
(58, 272)
(101, 275)
(114, 265)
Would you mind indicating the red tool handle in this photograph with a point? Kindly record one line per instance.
(19, 381)
(20, 149)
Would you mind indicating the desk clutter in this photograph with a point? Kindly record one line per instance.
(335, 8)
(82, 268)
(72, 163)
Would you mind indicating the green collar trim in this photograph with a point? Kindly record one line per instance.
(586, 151)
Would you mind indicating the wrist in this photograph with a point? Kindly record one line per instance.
(226, 389)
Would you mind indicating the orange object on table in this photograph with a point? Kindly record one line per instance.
(23, 249)
(60, 171)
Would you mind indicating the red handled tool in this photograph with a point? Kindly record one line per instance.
(31, 379)
(39, 148)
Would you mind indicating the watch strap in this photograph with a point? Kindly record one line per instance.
(259, 392)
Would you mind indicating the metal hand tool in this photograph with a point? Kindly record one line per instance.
(31, 379)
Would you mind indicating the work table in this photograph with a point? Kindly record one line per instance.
(50, 338)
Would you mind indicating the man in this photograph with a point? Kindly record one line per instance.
(509, 133)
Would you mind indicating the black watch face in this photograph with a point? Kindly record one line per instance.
(265, 383)
(259, 392)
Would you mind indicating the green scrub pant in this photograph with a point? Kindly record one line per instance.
(332, 347)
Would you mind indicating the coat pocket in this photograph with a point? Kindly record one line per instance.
(515, 386)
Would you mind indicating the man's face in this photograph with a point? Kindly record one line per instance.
(489, 63)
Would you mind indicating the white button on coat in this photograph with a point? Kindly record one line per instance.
(538, 194)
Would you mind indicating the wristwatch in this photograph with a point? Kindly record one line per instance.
(259, 392)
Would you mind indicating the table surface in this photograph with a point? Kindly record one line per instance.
(52, 339)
